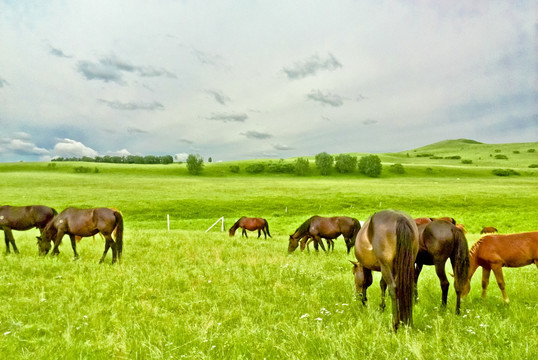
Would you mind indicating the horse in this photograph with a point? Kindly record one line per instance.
(84, 222)
(438, 241)
(488, 230)
(23, 218)
(388, 242)
(329, 228)
(251, 224)
(307, 239)
(78, 238)
(427, 220)
(492, 252)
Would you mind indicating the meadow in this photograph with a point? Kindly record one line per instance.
(188, 293)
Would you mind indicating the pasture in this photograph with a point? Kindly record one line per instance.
(187, 293)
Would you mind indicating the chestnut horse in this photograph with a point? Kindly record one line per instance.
(84, 223)
(251, 224)
(438, 241)
(388, 242)
(23, 218)
(492, 252)
(329, 228)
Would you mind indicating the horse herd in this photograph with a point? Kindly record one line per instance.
(72, 222)
(389, 241)
(399, 246)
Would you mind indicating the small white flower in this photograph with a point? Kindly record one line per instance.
(318, 319)
(304, 316)
(7, 333)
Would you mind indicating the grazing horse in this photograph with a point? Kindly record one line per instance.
(329, 228)
(492, 252)
(251, 224)
(488, 230)
(438, 241)
(388, 242)
(23, 218)
(84, 223)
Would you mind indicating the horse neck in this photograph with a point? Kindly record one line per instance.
(473, 258)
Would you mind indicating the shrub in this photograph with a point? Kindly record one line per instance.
(83, 169)
(504, 172)
(345, 163)
(280, 167)
(531, 150)
(301, 166)
(497, 150)
(195, 164)
(255, 168)
(453, 157)
(370, 165)
(397, 169)
(533, 166)
(501, 157)
(424, 155)
(516, 151)
(234, 168)
(466, 161)
(324, 163)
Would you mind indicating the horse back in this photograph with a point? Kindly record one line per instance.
(512, 250)
(25, 217)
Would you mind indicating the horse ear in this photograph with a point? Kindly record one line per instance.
(39, 238)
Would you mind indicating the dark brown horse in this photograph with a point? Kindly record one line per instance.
(438, 241)
(318, 227)
(488, 230)
(23, 218)
(251, 224)
(492, 252)
(388, 242)
(84, 223)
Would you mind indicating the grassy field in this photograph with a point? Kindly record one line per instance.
(187, 293)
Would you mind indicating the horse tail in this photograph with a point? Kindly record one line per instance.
(266, 226)
(461, 259)
(119, 232)
(403, 270)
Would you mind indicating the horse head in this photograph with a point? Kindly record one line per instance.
(44, 241)
(293, 243)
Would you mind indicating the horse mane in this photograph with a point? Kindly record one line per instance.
(303, 228)
(474, 249)
(234, 227)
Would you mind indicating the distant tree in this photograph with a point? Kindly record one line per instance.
(370, 165)
(324, 163)
(195, 164)
(301, 166)
(209, 160)
(397, 169)
(345, 163)
(167, 159)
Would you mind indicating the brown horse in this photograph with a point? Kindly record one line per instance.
(492, 252)
(251, 224)
(329, 228)
(84, 223)
(388, 242)
(438, 241)
(23, 218)
(488, 230)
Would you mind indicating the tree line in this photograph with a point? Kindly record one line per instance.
(129, 159)
(369, 165)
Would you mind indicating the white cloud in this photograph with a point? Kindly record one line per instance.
(181, 157)
(72, 148)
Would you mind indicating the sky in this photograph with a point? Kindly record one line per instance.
(249, 79)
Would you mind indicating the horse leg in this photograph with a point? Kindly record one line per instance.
(57, 242)
(260, 234)
(8, 234)
(107, 245)
(418, 269)
(440, 270)
(498, 272)
(383, 286)
(74, 245)
(386, 272)
(485, 280)
(244, 233)
(363, 279)
(319, 240)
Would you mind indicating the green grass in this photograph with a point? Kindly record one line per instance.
(187, 293)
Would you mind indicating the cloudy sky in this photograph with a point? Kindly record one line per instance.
(242, 79)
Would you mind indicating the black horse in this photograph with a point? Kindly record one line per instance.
(84, 222)
(438, 241)
(23, 218)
